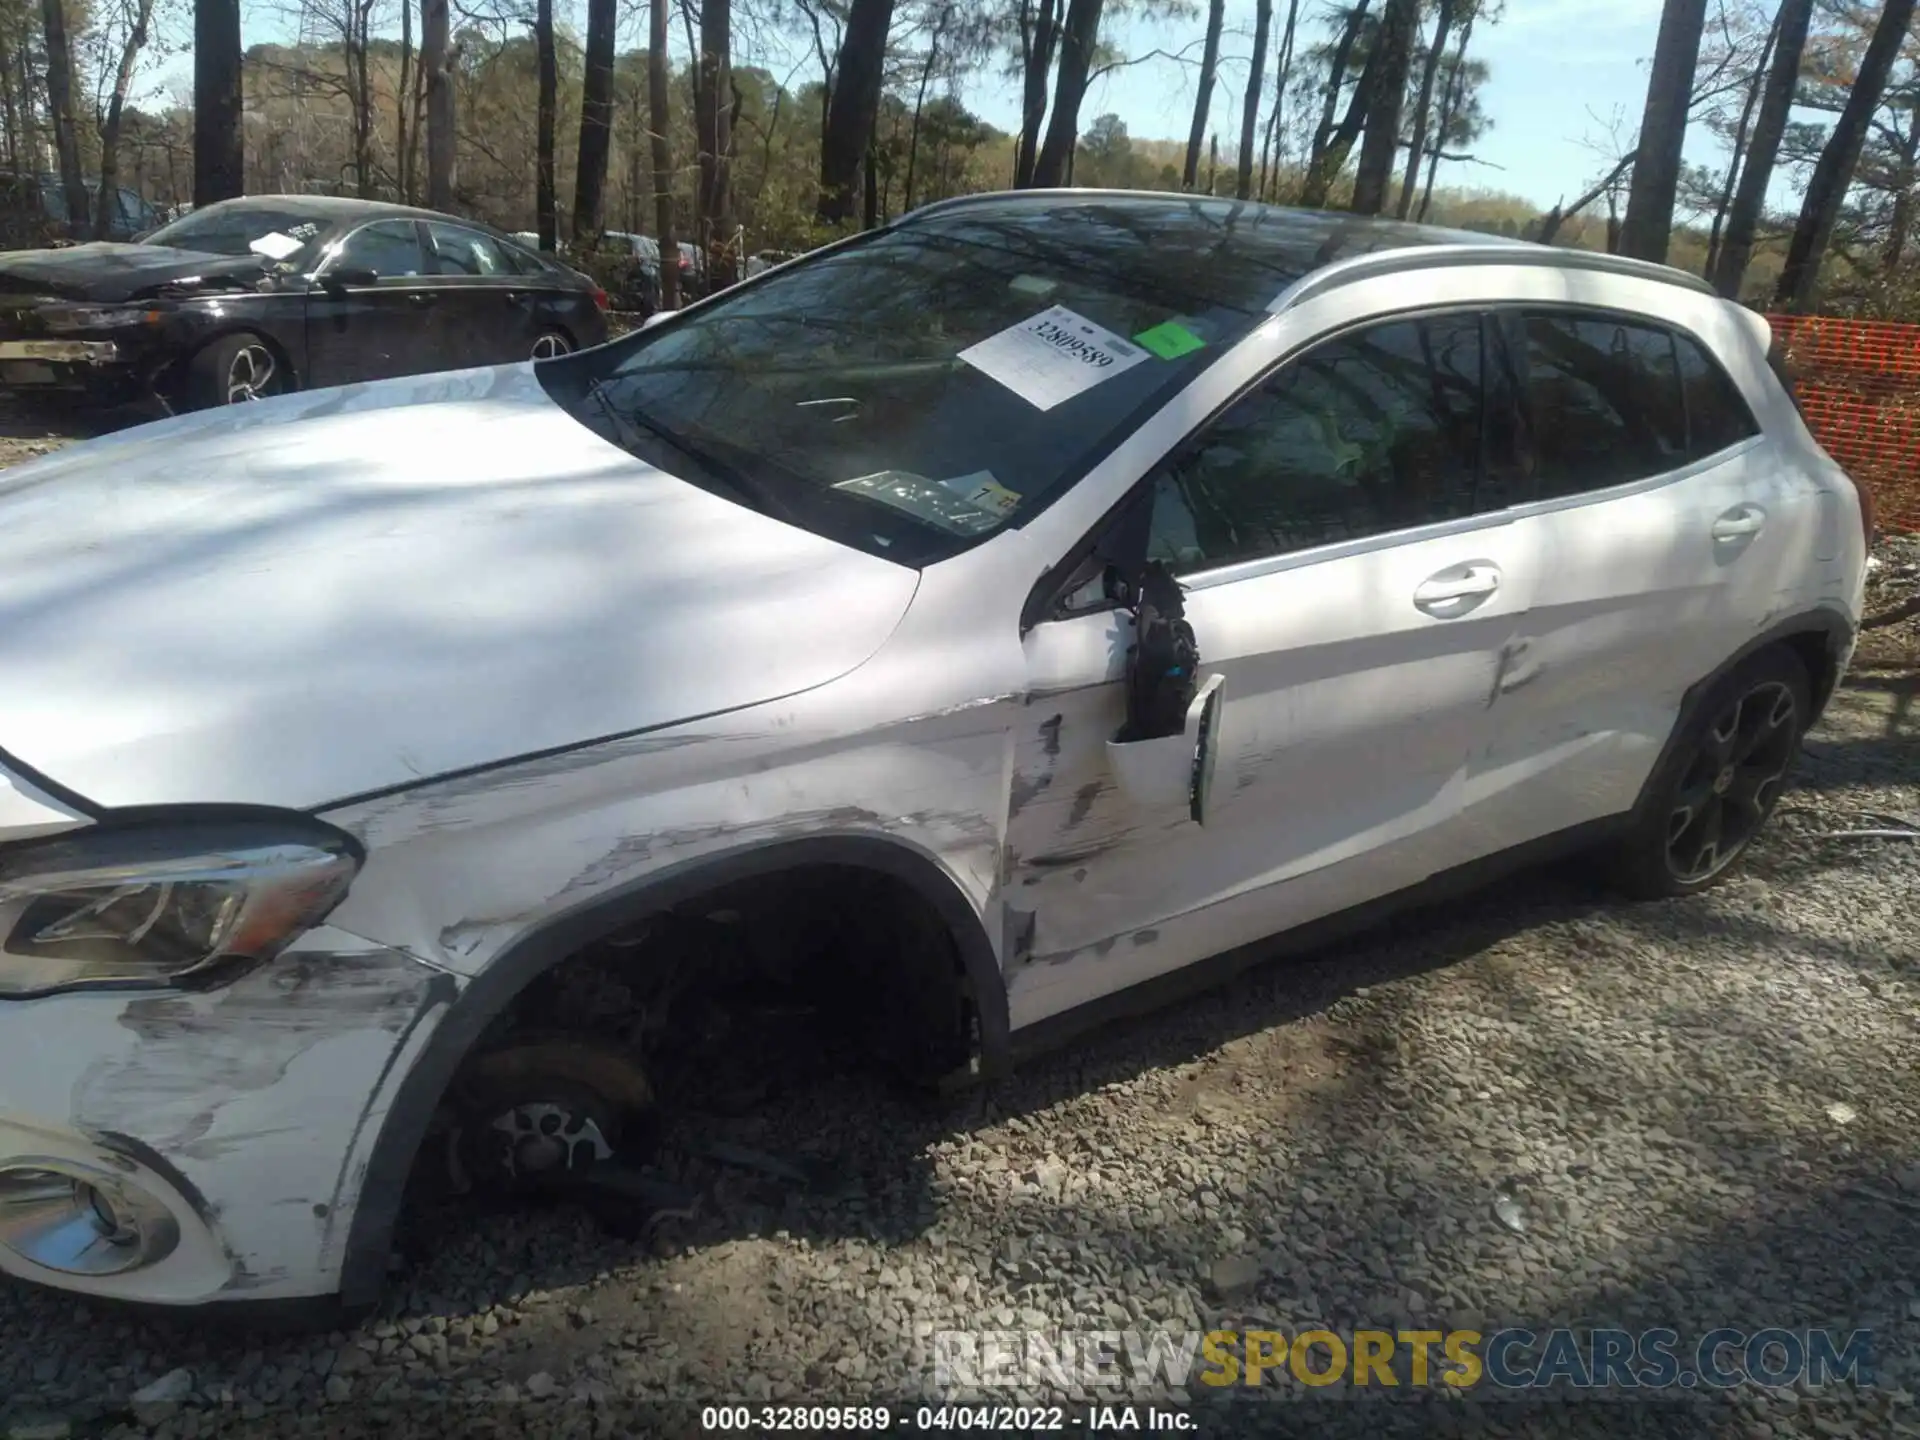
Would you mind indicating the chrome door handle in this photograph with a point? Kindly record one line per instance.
(1476, 583)
(1738, 523)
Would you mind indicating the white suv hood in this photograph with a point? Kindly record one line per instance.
(313, 597)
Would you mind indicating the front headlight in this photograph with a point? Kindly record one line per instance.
(64, 318)
(164, 903)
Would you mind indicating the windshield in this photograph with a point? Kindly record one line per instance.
(928, 385)
(268, 231)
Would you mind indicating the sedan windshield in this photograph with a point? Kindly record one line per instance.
(270, 231)
(924, 386)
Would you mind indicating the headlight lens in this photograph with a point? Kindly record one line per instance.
(63, 318)
(164, 904)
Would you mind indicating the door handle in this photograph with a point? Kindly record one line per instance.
(423, 297)
(1739, 522)
(1473, 583)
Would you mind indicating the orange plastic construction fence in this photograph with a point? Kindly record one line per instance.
(1859, 387)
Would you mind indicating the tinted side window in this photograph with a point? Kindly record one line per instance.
(1717, 414)
(466, 252)
(1605, 402)
(389, 248)
(1368, 433)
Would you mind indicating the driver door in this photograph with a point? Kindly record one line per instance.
(373, 329)
(1352, 581)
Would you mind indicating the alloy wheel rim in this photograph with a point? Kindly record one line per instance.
(549, 346)
(1732, 781)
(250, 375)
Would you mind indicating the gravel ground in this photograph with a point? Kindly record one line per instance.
(1702, 1113)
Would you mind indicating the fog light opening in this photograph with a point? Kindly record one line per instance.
(64, 1217)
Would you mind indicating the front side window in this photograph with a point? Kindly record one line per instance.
(922, 387)
(1365, 434)
(389, 248)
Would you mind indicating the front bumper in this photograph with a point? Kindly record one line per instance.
(241, 1118)
(63, 352)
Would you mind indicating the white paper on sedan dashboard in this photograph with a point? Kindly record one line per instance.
(275, 246)
(1051, 357)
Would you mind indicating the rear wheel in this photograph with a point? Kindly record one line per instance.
(1722, 779)
(234, 370)
(551, 343)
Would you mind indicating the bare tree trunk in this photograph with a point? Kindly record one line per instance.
(1833, 172)
(1648, 227)
(1902, 219)
(919, 104)
(1754, 87)
(116, 107)
(660, 119)
(1393, 56)
(402, 99)
(860, 71)
(545, 204)
(66, 142)
(1763, 149)
(716, 137)
(1450, 103)
(12, 107)
(1039, 31)
(436, 63)
(1203, 94)
(1078, 35)
(219, 162)
(596, 124)
(1250, 107)
(870, 209)
(1551, 222)
(1315, 192)
(1422, 107)
(1282, 72)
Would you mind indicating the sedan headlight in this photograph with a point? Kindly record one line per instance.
(61, 319)
(164, 903)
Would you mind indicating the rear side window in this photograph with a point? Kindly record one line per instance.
(1717, 415)
(1605, 402)
(1369, 433)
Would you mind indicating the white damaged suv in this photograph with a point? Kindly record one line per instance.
(975, 625)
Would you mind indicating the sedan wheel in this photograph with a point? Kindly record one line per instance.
(251, 374)
(551, 344)
(1732, 782)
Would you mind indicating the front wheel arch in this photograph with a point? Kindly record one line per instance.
(177, 387)
(382, 1185)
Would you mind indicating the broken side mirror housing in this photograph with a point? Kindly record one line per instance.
(1174, 769)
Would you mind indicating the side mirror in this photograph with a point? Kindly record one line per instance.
(341, 276)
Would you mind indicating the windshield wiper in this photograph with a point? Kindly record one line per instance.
(757, 495)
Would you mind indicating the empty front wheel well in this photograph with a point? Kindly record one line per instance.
(874, 940)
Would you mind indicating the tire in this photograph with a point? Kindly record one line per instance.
(1721, 779)
(549, 344)
(233, 370)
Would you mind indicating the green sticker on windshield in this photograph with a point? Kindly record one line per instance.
(1169, 340)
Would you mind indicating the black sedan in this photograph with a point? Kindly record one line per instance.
(253, 297)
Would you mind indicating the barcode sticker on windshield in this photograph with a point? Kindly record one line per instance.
(1053, 357)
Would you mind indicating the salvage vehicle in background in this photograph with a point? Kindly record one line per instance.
(33, 211)
(255, 297)
(966, 631)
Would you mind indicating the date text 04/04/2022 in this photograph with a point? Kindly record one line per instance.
(983, 1419)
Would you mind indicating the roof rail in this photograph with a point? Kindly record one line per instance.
(1506, 252)
(1065, 192)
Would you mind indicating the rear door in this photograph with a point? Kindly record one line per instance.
(1352, 582)
(1662, 529)
(381, 321)
(489, 311)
